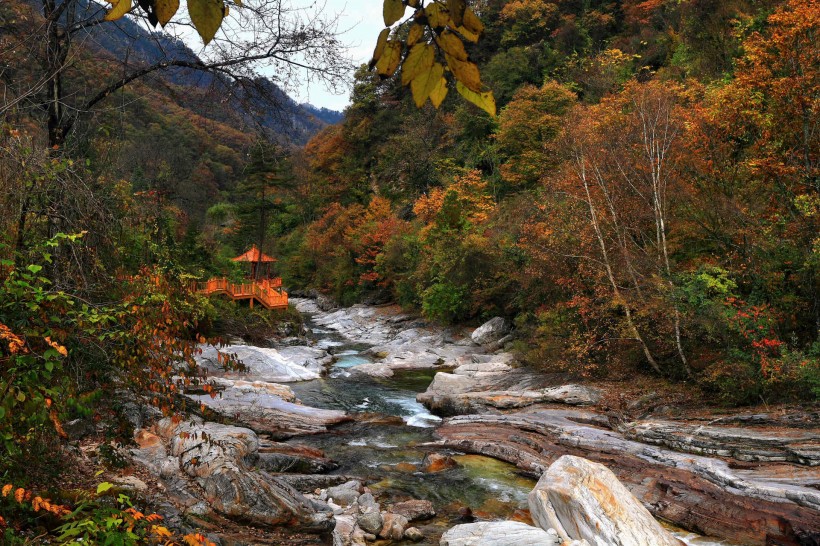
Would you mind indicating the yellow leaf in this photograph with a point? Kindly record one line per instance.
(161, 531)
(468, 35)
(206, 15)
(472, 23)
(165, 9)
(392, 11)
(380, 43)
(118, 10)
(456, 9)
(420, 59)
(466, 72)
(439, 92)
(415, 34)
(452, 45)
(485, 100)
(437, 15)
(389, 61)
(424, 83)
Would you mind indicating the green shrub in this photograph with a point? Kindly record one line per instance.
(445, 302)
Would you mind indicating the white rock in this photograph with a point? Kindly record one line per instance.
(583, 500)
(492, 330)
(283, 365)
(498, 533)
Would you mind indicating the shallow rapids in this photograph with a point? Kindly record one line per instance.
(385, 446)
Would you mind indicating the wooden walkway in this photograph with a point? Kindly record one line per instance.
(267, 292)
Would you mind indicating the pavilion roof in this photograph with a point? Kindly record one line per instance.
(254, 255)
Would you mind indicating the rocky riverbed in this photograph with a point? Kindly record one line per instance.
(377, 426)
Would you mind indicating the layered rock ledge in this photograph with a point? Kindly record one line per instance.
(750, 505)
(209, 466)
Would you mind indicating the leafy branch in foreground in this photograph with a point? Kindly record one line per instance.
(417, 45)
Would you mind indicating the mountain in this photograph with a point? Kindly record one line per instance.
(330, 117)
(260, 103)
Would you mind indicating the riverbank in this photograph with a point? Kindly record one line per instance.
(372, 393)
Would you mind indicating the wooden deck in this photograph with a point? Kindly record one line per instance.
(266, 292)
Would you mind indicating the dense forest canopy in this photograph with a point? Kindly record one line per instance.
(646, 198)
(635, 184)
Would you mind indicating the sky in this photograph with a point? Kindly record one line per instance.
(360, 22)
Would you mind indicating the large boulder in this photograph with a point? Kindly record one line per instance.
(283, 365)
(583, 500)
(220, 459)
(488, 385)
(414, 509)
(498, 533)
(262, 408)
(491, 331)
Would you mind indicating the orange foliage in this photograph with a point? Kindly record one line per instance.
(470, 190)
(370, 234)
(38, 503)
(15, 342)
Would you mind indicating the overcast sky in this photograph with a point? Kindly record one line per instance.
(361, 22)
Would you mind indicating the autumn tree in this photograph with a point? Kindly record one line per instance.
(527, 131)
(754, 141)
(623, 156)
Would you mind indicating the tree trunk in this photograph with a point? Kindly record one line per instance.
(608, 267)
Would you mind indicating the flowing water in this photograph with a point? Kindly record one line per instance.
(385, 445)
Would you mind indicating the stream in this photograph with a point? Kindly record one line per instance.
(383, 445)
(385, 451)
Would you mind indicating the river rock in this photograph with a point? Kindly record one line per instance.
(498, 533)
(413, 534)
(741, 443)
(130, 483)
(583, 500)
(282, 459)
(267, 413)
(219, 459)
(491, 331)
(436, 462)
(346, 533)
(343, 495)
(325, 303)
(371, 522)
(253, 387)
(282, 365)
(367, 503)
(414, 509)
(490, 385)
(393, 526)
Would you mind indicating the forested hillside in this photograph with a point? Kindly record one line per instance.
(647, 198)
(181, 132)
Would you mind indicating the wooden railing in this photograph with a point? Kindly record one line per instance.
(268, 292)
